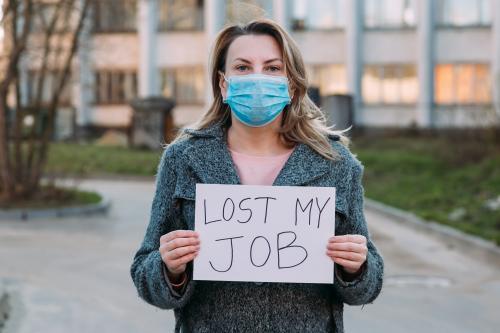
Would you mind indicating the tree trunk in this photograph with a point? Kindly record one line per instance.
(20, 170)
(7, 187)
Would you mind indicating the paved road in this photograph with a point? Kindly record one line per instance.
(72, 275)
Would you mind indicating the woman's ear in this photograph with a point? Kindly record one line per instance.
(222, 85)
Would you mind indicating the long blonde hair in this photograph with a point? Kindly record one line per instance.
(302, 120)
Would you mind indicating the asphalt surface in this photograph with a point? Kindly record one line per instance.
(72, 275)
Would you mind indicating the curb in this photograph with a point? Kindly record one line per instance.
(83, 210)
(454, 238)
(4, 307)
(12, 308)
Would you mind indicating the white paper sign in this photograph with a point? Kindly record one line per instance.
(264, 233)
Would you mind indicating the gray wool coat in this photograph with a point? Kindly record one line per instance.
(217, 306)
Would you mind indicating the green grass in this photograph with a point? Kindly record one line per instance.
(432, 177)
(51, 197)
(91, 159)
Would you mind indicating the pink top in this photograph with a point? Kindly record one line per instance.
(258, 170)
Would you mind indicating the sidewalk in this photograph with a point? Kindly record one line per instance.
(431, 284)
(72, 275)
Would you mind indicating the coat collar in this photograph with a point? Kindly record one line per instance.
(211, 160)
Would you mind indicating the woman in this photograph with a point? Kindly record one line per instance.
(262, 128)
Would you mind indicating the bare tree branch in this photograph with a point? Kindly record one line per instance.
(49, 130)
(41, 80)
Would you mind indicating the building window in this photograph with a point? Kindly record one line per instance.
(115, 87)
(390, 84)
(463, 13)
(243, 11)
(44, 13)
(390, 14)
(462, 84)
(115, 16)
(329, 78)
(319, 14)
(180, 15)
(185, 84)
(50, 85)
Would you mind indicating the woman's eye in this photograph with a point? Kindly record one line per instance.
(241, 68)
(274, 68)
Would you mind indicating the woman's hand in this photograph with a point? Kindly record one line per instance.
(349, 251)
(177, 248)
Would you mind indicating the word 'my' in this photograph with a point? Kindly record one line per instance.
(246, 207)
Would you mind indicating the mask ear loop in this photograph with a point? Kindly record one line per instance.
(224, 76)
(292, 93)
(225, 79)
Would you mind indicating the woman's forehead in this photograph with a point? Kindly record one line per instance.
(254, 48)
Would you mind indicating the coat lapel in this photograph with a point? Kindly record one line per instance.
(303, 166)
(210, 159)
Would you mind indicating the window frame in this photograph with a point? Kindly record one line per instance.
(65, 99)
(164, 27)
(314, 68)
(175, 69)
(112, 88)
(380, 68)
(97, 29)
(389, 27)
(336, 28)
(50, 9)
(455, 102)
(440, 24)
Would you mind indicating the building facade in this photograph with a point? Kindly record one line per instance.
(426, 63)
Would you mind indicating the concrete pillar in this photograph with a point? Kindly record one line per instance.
(280, 12)
(83, 90)
(147, 26)
(354, 61)
(215, 16)
(425, 65)
(495, 60)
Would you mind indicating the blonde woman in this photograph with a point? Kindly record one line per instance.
(262, 129)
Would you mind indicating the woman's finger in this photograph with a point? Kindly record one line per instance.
(180, 242)
(351, 247)
(176, 264)
(181, 252)
(360, 239)
(350, 266)
(178, 234)
(352, 256)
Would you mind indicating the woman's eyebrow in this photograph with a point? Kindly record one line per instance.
(265, 62)
(243, 60)
(272, 60)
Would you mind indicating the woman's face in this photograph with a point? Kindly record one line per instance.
(252, 54)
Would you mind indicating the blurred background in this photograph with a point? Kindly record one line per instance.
(91, 89)
(406, 62)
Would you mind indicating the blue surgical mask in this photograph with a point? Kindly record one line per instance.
(257, 99)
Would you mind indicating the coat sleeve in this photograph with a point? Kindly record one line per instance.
(367, 286)
(147, 268)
